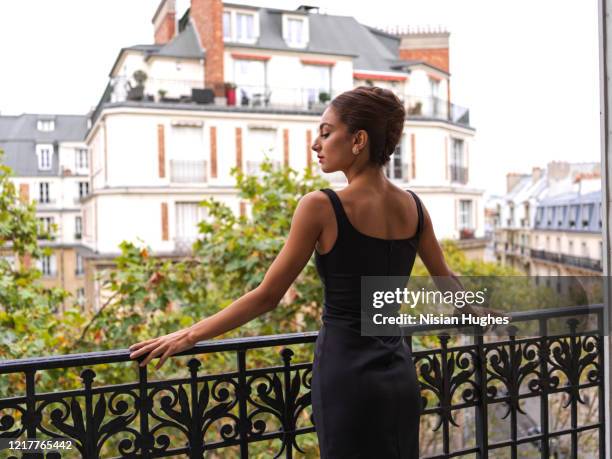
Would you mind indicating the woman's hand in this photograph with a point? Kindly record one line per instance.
(163, 346)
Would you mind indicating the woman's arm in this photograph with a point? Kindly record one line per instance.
(306, 226)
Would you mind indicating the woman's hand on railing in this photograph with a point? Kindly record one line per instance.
(163, 347)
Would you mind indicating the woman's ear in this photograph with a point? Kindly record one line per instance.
(361, 139)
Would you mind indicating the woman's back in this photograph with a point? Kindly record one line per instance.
(365, 394)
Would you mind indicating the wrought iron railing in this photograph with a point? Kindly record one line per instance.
(468, 385)
(437, 109)
(188, 171)
(572, 260)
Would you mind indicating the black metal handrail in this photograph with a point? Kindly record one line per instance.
(572, 260)
(462, 381)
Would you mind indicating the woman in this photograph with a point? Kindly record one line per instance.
(365, 394)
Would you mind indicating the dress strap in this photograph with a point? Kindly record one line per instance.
(341, 217)
(419, 211)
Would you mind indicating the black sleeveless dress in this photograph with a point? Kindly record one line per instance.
(365, 395)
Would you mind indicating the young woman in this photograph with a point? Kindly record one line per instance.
(365, 395)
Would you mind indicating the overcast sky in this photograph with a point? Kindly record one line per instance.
(527, 69)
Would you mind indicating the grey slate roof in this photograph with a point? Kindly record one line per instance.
(184, 46)
(19, 136)
(566, 205)
(329, 34)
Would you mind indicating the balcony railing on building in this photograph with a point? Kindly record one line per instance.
(571, 260)
(188, 171)
(484, 397)
(260, 97)
(437, 109)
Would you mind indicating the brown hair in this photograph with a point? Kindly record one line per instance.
(377, 111)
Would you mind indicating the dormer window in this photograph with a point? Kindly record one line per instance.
(240, 26)
(45, 125)
(295, 31)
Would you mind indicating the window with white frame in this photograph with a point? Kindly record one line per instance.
(80, 296)
(585, 249)
(465, 214)
(45, 156)
(83, 189)
(458, 169)
(78, 227)
(45, 125)
(227, 25)
(187, 160)
(79, 269)
(317, 81)
(250, 80)
(46, 265)
(240, 26)
(395, 168)
(261, 144)
(188, 215)
(46, 225)
(81, 159)
(295, 31)
(43, 193)
(570, 247)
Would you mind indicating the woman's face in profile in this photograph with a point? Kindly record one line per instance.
(333, 144)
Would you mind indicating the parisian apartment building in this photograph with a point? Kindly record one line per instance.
(549, 222)
(224, 86)
(50, 164)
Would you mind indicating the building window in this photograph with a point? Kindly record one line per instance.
(80, 296)
(46, 265)
(45, 125)
(79, 270)
(295, 31)
(317, 83)
(585, 249)
(465, 214)
(81, 160)
(46, 226)
(395, 169)
(587, 212)
(250, 79)
(573, 216)
(188, 215)
(458, 169)
(240, 26)
(227, 27)
(78, 227)
(570, 247)
(83, 189)
(45, 157)
(43, 193)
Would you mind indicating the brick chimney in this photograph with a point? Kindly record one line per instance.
(164, 22)
(536, 174)
(512, 178)
(429, 44)
(207, 18)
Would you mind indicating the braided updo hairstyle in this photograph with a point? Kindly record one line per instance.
(377, 111)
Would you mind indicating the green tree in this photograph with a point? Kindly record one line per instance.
(29, 323)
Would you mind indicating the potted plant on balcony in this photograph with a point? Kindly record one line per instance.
(230, 93)
(137, 92)
(324, 97)
(466, 233)
(415, 109)
(162, 94)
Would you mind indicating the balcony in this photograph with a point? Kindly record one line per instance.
(188, 171)
(570, 260)
(436, 109)
(259, 98)
(466, 390)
